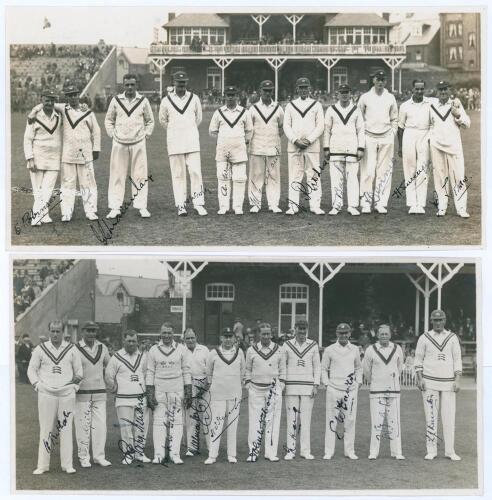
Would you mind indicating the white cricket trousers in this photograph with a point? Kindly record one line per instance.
(133, 433)
(299, 410)
(122, 157)
(264, 170)
(168, 421)
(265, 411)
(415, 158)
(90, 426)
(376, 169)
(338, 171)
(178, 164)
(231, 175)
(43, 182)
(385, 408)
(55, 429)
(341, 407)
(224, 411)
(87, 184)
(301, 164)
(432, 400)
(197, 418)
(449, 175)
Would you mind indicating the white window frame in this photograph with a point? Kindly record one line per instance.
(220, 299)
(291, 301)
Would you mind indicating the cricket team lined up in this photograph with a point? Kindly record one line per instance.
(356, 141)
(187, 386)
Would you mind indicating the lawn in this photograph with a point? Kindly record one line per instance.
(338, 474)
(164, 228)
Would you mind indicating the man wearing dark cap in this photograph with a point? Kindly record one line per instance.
(344, 141)
(267, 118)
(301, 386)
(438, 368)
(341, 373)
(180, 114)
(232, 127)
(303, 126)
(43, 150)
(447, 118)
(90, 402)
(380, 113)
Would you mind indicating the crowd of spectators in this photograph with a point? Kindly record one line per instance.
(28, 286)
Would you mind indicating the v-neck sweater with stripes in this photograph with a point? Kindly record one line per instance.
(263, 365)
(92, 386)
(383, 365)
(225, 371)
(303, 367)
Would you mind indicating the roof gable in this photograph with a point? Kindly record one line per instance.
(358, 19)
(107, 284)
(197, 21)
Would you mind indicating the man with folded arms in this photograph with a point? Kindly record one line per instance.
(55, 371)
(90, 405)
(265, 380)
(341, 373)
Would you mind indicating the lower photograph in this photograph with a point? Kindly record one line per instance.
(344, 375)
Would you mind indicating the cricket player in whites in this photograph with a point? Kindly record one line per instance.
(344, 141)
(265, 380)
(196, 415)
(447, 118)
(267, 117)
(438, 368)
(125, 376)
(168, 383)
(180, 114)
(231, 125)
(301, 386)
(90, 402)
(225, 371)
(303, 126)
(55, 371)
(380, 113)
(129, 123)
(382, 366)
(413, 147)
(43, 150)
(341, 373)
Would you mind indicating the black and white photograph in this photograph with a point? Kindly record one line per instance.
(186, 376)
(153, 126)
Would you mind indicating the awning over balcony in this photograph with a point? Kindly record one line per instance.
(197, 21)
(357, 19)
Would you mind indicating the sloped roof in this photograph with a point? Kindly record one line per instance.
(136, 287)
(358, 19)
(135, 55)
(197, 21)
(108, 309)
(429, 30)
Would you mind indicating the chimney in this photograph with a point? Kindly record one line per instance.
(386, 16)
(171, 16)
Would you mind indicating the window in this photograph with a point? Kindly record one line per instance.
(187, 36)
(455, 29)
(452, 56)
(418, 56)
(294, 300)
(340, 76)
(213, 77)
(472, 40)
(219, 292)
(460, 52)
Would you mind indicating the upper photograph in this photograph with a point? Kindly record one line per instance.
(145, 126)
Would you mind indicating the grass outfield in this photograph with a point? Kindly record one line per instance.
(338, 474)
(263, 229)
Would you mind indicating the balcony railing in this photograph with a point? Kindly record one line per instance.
(313, 49)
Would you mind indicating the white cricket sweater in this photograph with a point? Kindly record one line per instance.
(341, 367)
(303, 119)
(52, 368)
(445, 132)
(233, 128)
(181, 116)
(43, 141)
(265, 364)
(129, 121)
(267, 128)
(168, 368)
(94, 360)
(344, 132)
(438, 357)
(380, 113)
(125, 375)
(225, 371)
(302, 367)
(383, 366)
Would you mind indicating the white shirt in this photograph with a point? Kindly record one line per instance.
(415, 115)
(341, 367)
(380, 113)
(267, 121)
(303, 119)
(198, 361)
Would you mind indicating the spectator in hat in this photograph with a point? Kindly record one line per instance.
(42, 150)
(23, 356)
(180, 114)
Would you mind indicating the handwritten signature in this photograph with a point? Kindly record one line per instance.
(53, 437)
(380, 187)
(131, 450)
(342, 405)
(459, 188)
